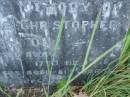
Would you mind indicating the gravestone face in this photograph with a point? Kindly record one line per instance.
(29, 29)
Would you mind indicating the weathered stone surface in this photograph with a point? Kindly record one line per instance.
(29, 28)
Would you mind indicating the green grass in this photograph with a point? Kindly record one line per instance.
(91, 41)
(115, 83)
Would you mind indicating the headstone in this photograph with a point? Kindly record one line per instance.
(29, 30)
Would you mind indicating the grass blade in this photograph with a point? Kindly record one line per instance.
(61, 27)
(91, 40)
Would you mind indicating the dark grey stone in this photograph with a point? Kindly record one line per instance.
(29, 28)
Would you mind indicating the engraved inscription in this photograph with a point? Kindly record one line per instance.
(29, 30)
